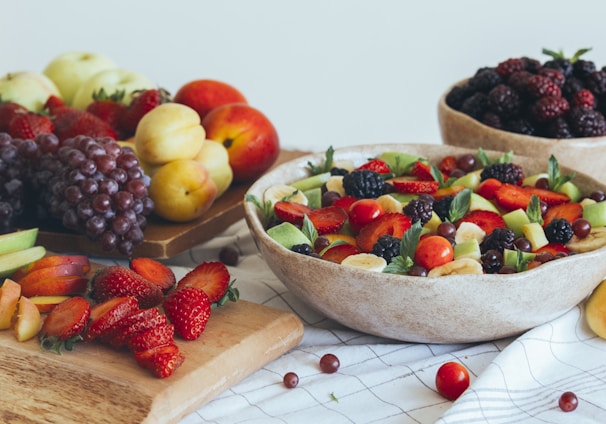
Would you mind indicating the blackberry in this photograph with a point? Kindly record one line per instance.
(304, 249)
(559, 230)
(475, 105)
(504, 101)
(558, 128)
(581, 68)
(561, 64)
(492, 120)
(531, 65)
(363, 183)
(520, 125)
(457, 95)
(539, 86)
(510, 173)
(553, 74)
(548, 108)
(492, 261)
(442, 207)
(586, 122)
(518, 81)
(338, 171)
(583, 98)
(510, 66)
(387, 247)
(571, 86)
(596, 82)
(499, 239)
(484, 80)
(419, 209)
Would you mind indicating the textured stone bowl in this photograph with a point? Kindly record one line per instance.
(587, 155)
(461, 308)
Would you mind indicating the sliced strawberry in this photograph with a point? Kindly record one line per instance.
(123, 336)
(328, 219)
(447, 191)
(291, 212)
(376, 165)
(118, 281)
(394, 224)
(344, 202)
(138, 315)
(488, 188)
(211, 276)
(553, 248)
(548, 196)
(188, 309)
(104, 316)
(339, 252)
(486, 220)
(65, 323)
(412, 185)
(422, 171)
(569, 211)
(511, 197)
(154, 271)
(162, 361)
(160, 335)
(448, 164)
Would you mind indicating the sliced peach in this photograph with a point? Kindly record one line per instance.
(53, 261)
(28, 320)
(9, 297)
(332, 237)
(595, 310)
(51, 272)
(47, 303)
(55, 286)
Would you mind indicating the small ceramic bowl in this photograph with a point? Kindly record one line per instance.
(587, 155)
(448, 309)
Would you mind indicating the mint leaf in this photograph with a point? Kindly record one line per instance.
(459, 205)
(326, 166)
(554, 176)
(309, 230)
(266, 209)
(402, 263)
(534, 210)
(486, 161)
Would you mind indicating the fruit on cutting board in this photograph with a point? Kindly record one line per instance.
(595, 310)
(28, 320)
(249, 137)
(27, 88)
(10, 292)
(70, 70)
(18, 240)
(204, 95)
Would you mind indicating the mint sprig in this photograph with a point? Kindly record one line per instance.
(326, 166)
(554, 175)
(309, 230)
(402, 263)
(266, 208)
(459, 205)
(486, 161)
(533, 210)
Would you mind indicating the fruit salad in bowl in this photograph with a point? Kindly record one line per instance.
(431, 243)
(533, 107)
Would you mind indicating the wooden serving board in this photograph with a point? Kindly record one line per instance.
(96, 384)
(164, 239)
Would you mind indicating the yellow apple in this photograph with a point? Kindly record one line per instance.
(111, 80)
(215, 158)
(29, 89)
(169, 132)
(9, 296)
(182, 190)
(28, 320)
(71, 69)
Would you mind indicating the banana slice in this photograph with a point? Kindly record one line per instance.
(458, 266)
(278, 192)
(366, 261)
(335, 183)
(390, 203)
(594, 240)
(344, 164)
(467, 231)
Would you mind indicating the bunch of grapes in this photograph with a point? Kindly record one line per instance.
(12, 188)
(91, 186)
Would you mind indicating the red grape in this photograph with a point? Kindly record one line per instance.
(329, 363)
(291, 380)
(568, 402)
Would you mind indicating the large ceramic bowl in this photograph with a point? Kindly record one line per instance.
(459, 308)
(583, 154)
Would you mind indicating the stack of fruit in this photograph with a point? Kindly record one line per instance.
(192, 146)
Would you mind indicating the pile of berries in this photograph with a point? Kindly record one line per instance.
(560, 98)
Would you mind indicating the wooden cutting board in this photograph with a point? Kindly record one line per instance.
(96, 384)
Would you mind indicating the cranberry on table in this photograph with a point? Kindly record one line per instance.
(329, 363)
(291, 380)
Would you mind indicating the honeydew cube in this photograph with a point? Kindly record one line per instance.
(314, 181)
(468, 249)
(531, 180)
(515, 220)
(288, 235)
(477, 202)
(470, 180)
(571, 190)
(314, 197)
(535, 234)
(510, 256)
(595, 213)
(433, 223)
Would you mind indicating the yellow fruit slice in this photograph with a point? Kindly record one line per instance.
(595, 310)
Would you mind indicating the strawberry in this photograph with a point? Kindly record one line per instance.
(110, 109)
(291, 212)
(64, 324)
(27, 126)
(211, 276)
(328, 219)
(553, 248)
(143, 101)
(70, 122)
(511, 197)
(393, 223)
(344, 202)
(160, 335)
(137, 315)
(486, 220)
(413, 185)
(422, 171)
(122, 337)
(188, 309)
(569, 211)
(118, 281)
(339, 252)
(161, 360)
(488, 187)
(154, 271)
(105, 315)
(448, 164)
(8, 110)
(548, 196)
(376, 165)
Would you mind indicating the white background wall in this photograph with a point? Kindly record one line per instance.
(340, 72)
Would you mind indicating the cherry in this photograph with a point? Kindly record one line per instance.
(291, 380)
(568, 402)
(329, 363)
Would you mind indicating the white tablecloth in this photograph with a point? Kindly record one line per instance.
(384, 381)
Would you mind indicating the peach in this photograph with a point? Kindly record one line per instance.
(52, 261)
(28, 320)
(47, 303)
(204, 95)
(55, 286)
(9, 297)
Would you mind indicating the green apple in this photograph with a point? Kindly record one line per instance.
(214, 157)
(18, 240)
(470, 180)
(11, 262)
(287, 235)
(111, 80)
(168, 132)
(477, 202)
(182, 190)
(71, 69)
(29, 89)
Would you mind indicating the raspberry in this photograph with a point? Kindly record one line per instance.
(419, 210)
(559, 230)
(584, 98)
(509, 173)
(586, 122)
(504, 101)
(484, 80)
(509, 66)
(363, 183)
(539, 86)
(549, 107)
(387, 247)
